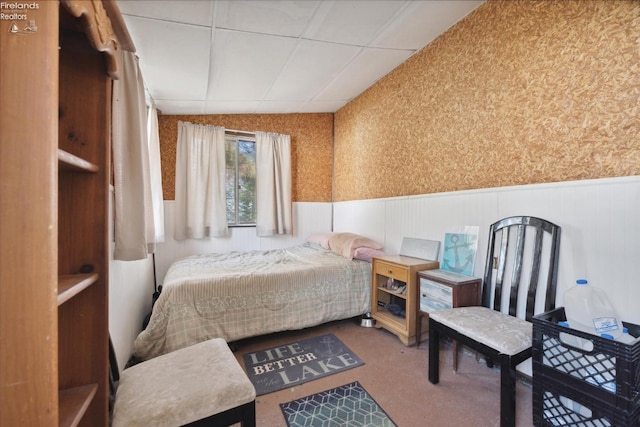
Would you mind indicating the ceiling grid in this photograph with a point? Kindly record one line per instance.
(277, 56)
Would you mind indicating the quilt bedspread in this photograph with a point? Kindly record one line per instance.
(237, 295)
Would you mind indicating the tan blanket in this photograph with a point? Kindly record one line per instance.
(237, 295)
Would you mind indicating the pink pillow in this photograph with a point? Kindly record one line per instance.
(367, 254)
(321, 239)
(346, 244)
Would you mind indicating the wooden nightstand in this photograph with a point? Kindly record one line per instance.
(440, 290)
(394, 294)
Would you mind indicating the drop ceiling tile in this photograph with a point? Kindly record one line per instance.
(321, 106)
(369, 66)
(351, 22)
(187, 11)
(231, 107)
(176, 57)
(286, 107)
(286, 18)
(279, 107)
(422, 21)
(245, 65)
(312, 66)
(180, 107)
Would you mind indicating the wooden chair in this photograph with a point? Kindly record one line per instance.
(519, 281)
(201, 385)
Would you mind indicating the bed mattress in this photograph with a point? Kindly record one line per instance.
(238, 295)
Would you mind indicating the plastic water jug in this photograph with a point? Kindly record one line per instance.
(588, 309)
(626, 337)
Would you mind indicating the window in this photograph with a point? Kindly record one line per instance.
(240, 185)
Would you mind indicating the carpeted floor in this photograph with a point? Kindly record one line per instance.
(396, 377)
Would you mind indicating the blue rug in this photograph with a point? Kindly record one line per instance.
(346, 406)
(292, 364)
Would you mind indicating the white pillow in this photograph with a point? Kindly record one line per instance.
(321, 239)
(346, 244)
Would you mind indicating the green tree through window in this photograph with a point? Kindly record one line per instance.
(240, 156)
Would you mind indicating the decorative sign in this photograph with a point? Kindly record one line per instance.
(296, 363)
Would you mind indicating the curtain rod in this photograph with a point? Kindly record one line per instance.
(242, 132)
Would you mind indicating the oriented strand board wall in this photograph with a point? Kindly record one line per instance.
(519, 92)
(311, 147)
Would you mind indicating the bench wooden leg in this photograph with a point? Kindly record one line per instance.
(434, 354)
(507, 393)
(244, 414)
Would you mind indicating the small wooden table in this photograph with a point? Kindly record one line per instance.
(441, 290)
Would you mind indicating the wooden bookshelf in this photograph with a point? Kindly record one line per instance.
(71, 284)
(55, 164)
(69, 162)
(73, 403)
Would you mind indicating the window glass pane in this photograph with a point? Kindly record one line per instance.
(230, 179)
(246, 192)
(240, 181)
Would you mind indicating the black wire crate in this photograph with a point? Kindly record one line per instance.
(599, 368)
(555, 404)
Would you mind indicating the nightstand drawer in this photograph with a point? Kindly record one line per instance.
(429, 305)
(435, 290)
(434, 296)
(392, 271)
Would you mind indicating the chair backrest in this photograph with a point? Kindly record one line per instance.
(521, 270)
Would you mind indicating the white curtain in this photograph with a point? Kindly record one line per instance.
(156, 228)
(135, 159)
(273, 182)
(200, 207)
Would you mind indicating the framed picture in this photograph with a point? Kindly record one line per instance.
(459, 254)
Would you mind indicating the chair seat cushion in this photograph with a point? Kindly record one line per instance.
(181, 387)
(506, 334)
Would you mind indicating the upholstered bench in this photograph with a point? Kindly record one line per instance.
(201, 385)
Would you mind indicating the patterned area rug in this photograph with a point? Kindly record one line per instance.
(298, 362)
(346, 406)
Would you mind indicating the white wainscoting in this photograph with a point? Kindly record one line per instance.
(308, 218)
(600, 222)
(130, 291)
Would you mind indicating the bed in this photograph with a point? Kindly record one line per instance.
(237, 295)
